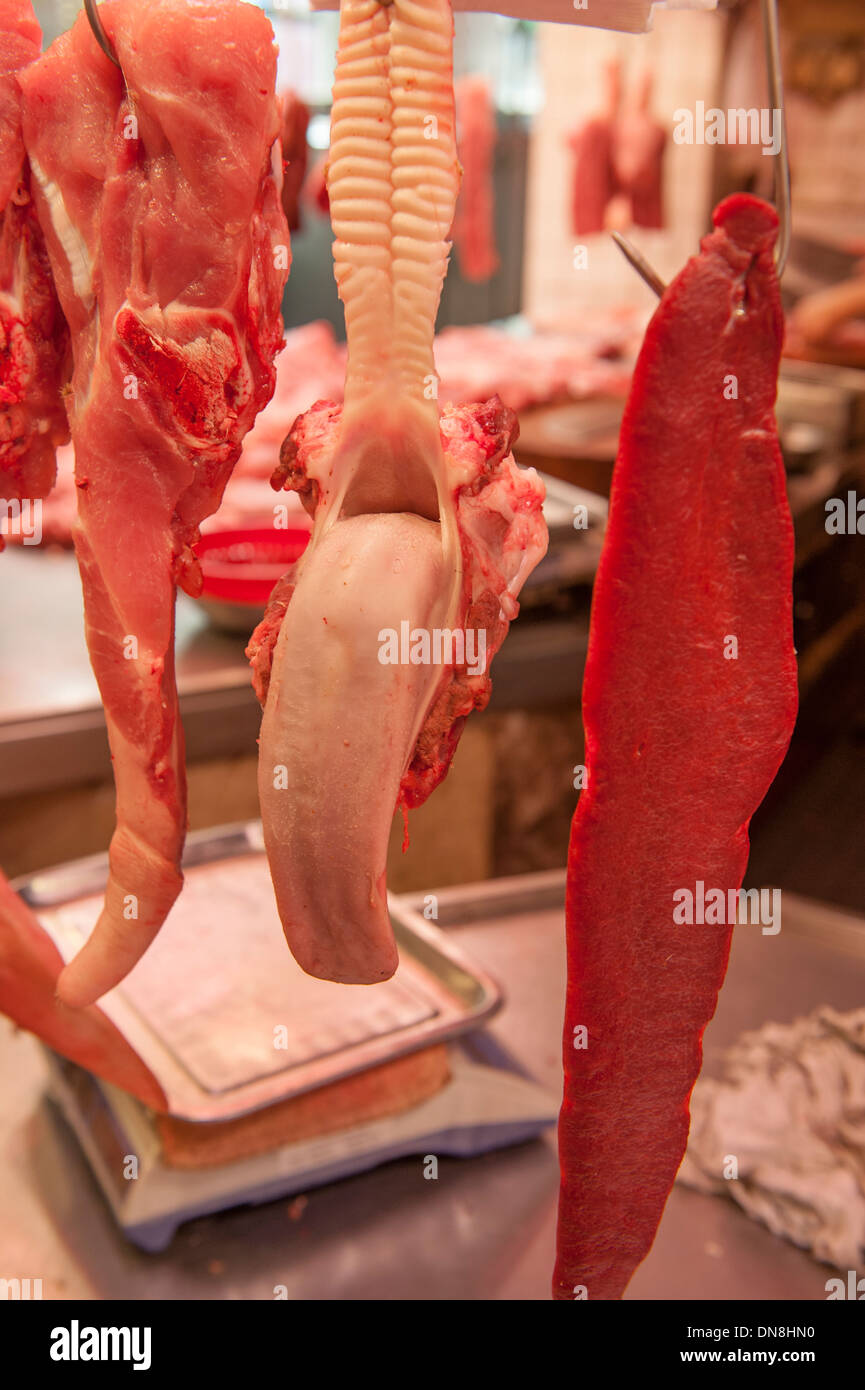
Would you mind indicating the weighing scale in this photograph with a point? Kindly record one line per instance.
(276, 1082)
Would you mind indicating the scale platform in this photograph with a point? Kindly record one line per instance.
(277, 1083)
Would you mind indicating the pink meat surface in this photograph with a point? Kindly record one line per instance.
(499, 512)
(357, 739)
(34, 340)
(29, 968)
(481, 361)
(160, 200)
(378, 645)
(311, 367)
(474, 231)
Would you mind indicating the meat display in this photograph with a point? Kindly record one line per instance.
(619, 159)
(474, 363)
(159, 194)
(143, 205)
(689, 704)
(295, 152)
(474, 232)
(34, 340)
(481, 360)
(638, 154)
(594, 184)
(423, 528)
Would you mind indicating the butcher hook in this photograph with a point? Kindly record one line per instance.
(99, 33)
(769, 11)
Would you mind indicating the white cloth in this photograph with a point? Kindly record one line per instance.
(790, 1114)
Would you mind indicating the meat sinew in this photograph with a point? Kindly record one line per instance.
(424, 528)
(34, 340)
(159, 194)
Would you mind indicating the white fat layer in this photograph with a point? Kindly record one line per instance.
(70, 238)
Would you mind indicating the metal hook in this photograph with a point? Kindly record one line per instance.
(639, 263)
(775, 78)
(99, 33)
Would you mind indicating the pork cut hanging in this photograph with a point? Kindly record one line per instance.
(294, 124)
(424, 528)
(29, 966)
(474, 226)
(34, 341)
(159, 194)
(34, 357)
(689, 702)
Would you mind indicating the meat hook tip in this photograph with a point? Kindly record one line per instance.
(99, 33)
(636, 259)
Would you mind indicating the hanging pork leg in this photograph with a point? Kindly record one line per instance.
(159, 194)
(374, 652)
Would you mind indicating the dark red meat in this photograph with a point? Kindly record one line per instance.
(474, 232)
(682, 744)
(638, 155)
(294, 124)
(593, 185)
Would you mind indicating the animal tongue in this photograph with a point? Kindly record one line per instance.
(340, 726)
(421, 525)
(337, 732)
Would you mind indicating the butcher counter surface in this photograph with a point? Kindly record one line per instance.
(485, 1230)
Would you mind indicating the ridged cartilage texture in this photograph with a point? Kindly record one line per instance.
(393, 182)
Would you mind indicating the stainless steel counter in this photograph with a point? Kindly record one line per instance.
(486, 1228)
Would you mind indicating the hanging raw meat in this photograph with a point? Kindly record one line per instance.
(29, 966)
(619, 159)
(474, 231)
(34, 353)
(422, 525)
(689, 704)
(638, 154)
(315, 191)
(293, 127)
(34, 341)
(592, 144)
(159, 193)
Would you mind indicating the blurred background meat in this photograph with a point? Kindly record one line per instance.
(474, 224)
(294, 124)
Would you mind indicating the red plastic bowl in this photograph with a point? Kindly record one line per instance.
(242, 566)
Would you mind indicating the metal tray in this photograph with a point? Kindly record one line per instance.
(219, 1010)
